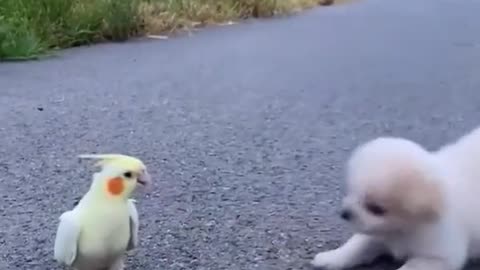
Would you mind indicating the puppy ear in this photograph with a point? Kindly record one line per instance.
(422, 200)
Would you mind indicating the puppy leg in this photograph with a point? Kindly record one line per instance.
(359, 249)
(420, 263)
(118, 265)
(454, 260)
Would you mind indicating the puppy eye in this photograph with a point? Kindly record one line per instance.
(375, 209)
(128, 175)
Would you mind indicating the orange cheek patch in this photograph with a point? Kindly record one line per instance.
(115, 186)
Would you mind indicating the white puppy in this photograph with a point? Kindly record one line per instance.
(420, 207)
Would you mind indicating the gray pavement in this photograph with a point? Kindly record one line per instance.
(245, 128)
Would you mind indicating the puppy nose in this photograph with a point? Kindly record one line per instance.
(346, 214)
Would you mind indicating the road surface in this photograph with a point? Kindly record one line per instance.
(245, 128)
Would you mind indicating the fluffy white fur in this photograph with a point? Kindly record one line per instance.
(421, 207)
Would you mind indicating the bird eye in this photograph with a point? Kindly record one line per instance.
(375, 209)
(128, 175)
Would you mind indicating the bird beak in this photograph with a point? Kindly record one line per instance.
(144, 179)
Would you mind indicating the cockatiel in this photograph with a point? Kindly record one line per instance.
(104, 224)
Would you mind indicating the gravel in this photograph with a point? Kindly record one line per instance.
(245, 128)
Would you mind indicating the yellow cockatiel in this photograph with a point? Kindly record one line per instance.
(104, 225)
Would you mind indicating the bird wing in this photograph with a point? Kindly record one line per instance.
(66, 240)
(134, 224)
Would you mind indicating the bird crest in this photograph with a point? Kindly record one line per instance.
(119, 160)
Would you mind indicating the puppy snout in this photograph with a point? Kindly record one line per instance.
(346, 214)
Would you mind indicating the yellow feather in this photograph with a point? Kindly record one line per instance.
(119, 160)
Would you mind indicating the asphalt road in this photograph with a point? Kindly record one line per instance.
(245, 128)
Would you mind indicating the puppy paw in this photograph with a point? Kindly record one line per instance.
(329, 260)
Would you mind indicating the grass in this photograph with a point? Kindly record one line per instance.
(32, 28)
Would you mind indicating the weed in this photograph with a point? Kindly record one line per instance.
(29, 28)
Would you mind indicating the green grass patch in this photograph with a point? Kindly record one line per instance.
(31, 28)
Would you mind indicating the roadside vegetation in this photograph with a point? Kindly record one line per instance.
(31, 28)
